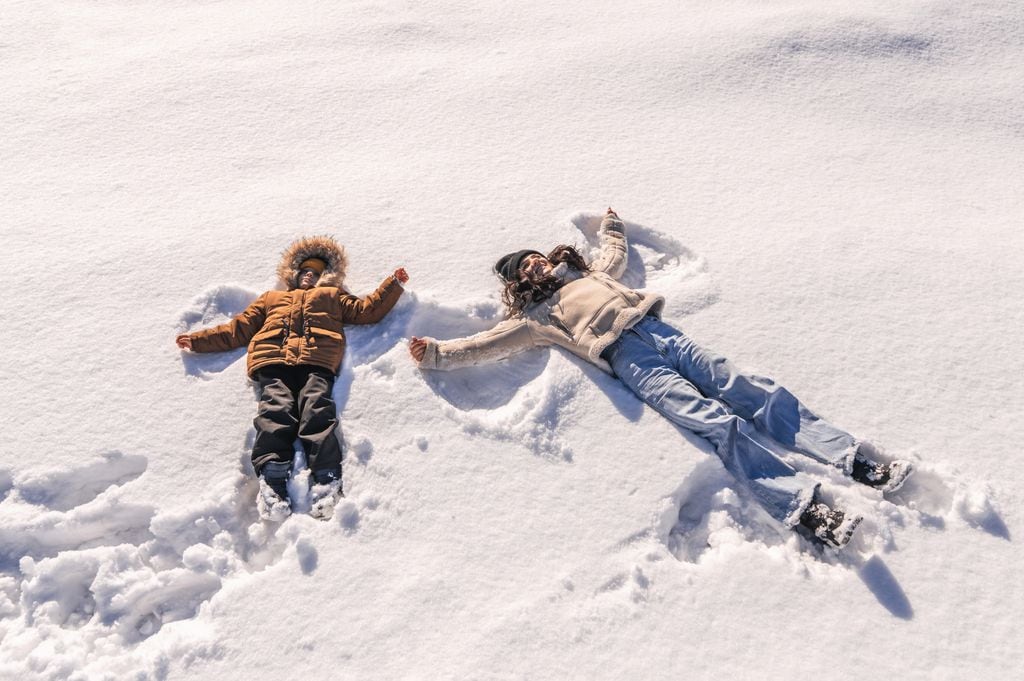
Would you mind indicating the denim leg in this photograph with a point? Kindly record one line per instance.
(771, 407)
(650, 374)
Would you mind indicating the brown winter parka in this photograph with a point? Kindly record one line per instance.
(300, 326)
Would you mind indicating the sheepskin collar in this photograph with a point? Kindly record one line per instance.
(323, 247)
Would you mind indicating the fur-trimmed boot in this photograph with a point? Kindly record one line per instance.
(324, 494)
(272, 499)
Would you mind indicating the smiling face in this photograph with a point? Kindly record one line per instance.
(535, 266)
(307, 278)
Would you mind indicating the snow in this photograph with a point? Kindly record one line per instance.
(828, 193)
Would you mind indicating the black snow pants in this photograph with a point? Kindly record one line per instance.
(296, 401)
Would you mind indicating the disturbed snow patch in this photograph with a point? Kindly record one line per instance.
(658, 262)
(534, 417)
(110, 587)
(213, 306)
(710, 521)
(50, 511)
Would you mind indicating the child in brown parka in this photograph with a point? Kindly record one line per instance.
(296, 343)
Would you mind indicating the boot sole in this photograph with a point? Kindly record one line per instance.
(841, 535)
(899, 471)
(847, 529)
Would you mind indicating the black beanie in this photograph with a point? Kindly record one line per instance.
(508, 265)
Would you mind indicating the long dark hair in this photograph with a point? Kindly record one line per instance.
(524, 289)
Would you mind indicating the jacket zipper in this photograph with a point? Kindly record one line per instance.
(303, 324)
(559, 325)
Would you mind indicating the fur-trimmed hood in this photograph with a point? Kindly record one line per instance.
(323, 247)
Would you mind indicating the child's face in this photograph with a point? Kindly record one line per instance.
(307, 278)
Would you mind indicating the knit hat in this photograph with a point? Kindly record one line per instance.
(315, 264)
(508, 265)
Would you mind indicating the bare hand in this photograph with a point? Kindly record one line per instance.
(184, 341)
(417, 348)
(401, 275)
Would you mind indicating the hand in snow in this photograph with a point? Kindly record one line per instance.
(184, 341)
(401, 275)
(417, 348)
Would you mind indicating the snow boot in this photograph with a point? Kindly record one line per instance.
(272, 499)
(832, 528)
(324, 494)
(886, 477)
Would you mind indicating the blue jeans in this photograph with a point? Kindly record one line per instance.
(736, 412)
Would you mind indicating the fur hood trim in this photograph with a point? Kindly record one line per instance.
(323, 247)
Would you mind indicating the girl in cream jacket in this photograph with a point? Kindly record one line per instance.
(560, 299)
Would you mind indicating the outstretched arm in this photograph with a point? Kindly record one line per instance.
(234, 334)
(508, 338)
(372, 308)
(614, 250)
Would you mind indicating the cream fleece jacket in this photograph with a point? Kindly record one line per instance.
(585, 316)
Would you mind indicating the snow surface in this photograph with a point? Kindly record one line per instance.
(826, 192)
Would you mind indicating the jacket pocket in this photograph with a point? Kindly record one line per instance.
(324, 338)
(557, 322)
(325, 333)
(268, 336)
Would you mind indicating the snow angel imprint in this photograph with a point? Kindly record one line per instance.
(560, 299)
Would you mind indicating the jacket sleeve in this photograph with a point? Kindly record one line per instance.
(507, 338)
(234, 334)
(614, 250)
(372, 308)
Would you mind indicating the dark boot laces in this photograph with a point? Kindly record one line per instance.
(820, 516)
(869, 472)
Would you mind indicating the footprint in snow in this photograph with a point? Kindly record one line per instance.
(632, 585)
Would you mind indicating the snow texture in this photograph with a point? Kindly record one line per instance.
(828, 193)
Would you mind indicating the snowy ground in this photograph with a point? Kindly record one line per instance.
(826, 192)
